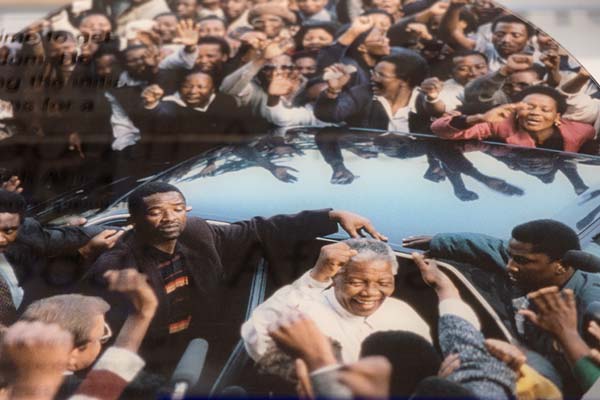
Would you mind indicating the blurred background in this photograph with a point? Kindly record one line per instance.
(575, 24)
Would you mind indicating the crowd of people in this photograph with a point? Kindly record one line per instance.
(137, 79)
(115, 75)
(336, 331)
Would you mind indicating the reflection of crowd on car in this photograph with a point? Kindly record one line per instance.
(132, 79)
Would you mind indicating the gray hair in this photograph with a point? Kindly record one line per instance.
(371, 249)
(72, 312)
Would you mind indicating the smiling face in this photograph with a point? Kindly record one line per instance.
(539, 114)
(364, 285)
(510, 38)
(384, 81)
(163, 219)
(528, 269)
(196, 89)
(9, 228)
(166, 27)
(316, 39)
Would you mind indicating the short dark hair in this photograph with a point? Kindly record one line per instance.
(513, 19)
(412, 357)
(547, 236)
(13, 203)
(561, 101)
(372, 11)
(410, 66)
(135, 202)
(304, 54)
(222, 43)
(467, 53)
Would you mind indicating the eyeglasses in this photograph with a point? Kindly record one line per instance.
(107, 334)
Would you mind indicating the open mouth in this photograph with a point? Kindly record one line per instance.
(366, 304)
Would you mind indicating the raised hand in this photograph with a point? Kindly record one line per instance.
(551, 60)
(419, 30)
(432, 87)
(282, 173)
(276, 47)
(354, 224)
(135, 285)
(299, 336)
(101, 242)
(187, 33)
(434, 277)
(438, 9)
(367, 378)
(506, 352)
(500, 113)
(74, 140)
(281, 84)
(361, 24)
(556, 311)
(13, 184)
(337, 76)
(420, 242)
(518, 62)
(331, 259)
(151, 96)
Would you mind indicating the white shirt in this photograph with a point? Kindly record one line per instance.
(8, 274)
(399, 120)
(311, 297)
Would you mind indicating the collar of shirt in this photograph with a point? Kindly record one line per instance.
(126, 80)
(161, 255)
(7, 273)
(176, 98)
(345, 314)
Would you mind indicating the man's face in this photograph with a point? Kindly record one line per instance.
(518, 81)
(234, 8)
(271, 25)
(510, 38)
(140, 63)
(211, 27)
(363, 286)
(282, 63)
(196, 89)
(316, 39)
(307, 66)
(166, 27)
(384, 81)
(527, 269)
(164, 217)
(311, 7)
(468, 68)
(210, 57)
(186, 9)
(96, 25)
(381, 22)
(104, 65)
(9, 228)
(84, 355)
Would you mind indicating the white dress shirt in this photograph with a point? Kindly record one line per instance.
(318, 301)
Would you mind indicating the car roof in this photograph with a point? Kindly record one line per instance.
(405, 184)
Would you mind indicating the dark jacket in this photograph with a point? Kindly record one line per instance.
(45, 260)
(215, 256)
(357, 108)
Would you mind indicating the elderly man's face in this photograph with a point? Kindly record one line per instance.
(9, 228)
(164, 217)
(364, 285)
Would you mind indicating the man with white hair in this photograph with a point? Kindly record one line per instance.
(347, 293)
